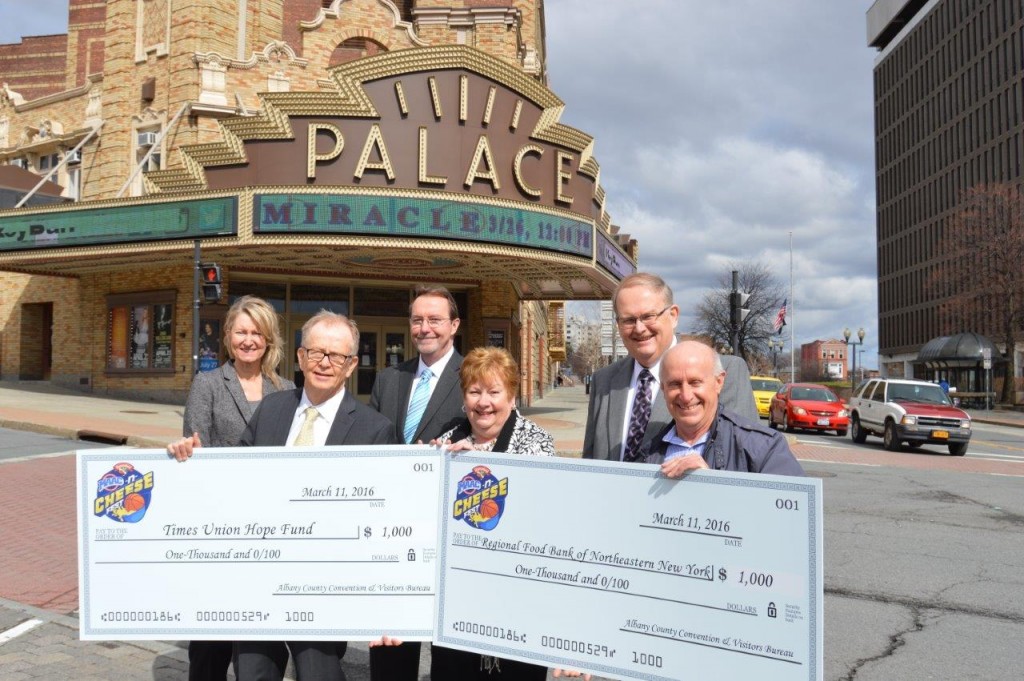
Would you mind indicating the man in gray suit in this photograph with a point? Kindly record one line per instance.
(619, 426)
(321, 413)
(433, 321)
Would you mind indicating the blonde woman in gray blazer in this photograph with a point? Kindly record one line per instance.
(219, 407)
(222, 401)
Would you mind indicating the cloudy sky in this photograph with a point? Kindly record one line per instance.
(721, 127)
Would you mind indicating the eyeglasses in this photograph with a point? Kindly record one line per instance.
(242, 335)
(432, 322)
(629, 323)
(335, 358)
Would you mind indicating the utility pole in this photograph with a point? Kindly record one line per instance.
(195, 307)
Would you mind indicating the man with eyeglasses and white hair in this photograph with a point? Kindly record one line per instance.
(422, 397)
(624, 411)
(320, 413)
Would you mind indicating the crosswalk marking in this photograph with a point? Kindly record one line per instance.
(15, 632)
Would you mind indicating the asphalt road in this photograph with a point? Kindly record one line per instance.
(17, 444)
(987, 441)
(924, 572)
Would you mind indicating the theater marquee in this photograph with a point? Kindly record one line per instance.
(443, 153)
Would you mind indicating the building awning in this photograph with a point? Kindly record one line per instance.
(958, 350)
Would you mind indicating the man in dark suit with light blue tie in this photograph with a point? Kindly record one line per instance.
(421, 397)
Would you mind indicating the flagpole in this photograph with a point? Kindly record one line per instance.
(792, 316)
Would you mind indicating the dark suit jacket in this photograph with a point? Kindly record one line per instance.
(390, 396)
(609, 390)
(355, 423)
(217, 408)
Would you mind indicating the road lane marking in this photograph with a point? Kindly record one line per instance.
(1003, 458)
(15, 632)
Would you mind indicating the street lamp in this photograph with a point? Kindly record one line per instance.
(775, 347)
(860, 335)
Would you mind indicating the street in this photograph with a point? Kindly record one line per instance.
(923, 561)
(988, 441)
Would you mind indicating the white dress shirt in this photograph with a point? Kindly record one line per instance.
(324, 420)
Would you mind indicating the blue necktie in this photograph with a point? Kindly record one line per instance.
(417, 405)
(640, 417)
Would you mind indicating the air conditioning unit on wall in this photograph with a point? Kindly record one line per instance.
(73, 157)
(146, 139)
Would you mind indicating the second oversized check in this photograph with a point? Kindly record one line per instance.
(331, 543)
(617, 570)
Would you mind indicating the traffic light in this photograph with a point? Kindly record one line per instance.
(211, 282)
(738, 308)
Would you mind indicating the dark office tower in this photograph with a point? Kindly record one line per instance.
(948, 118)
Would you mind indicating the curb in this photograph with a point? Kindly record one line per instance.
(41, 429)
(997, 422)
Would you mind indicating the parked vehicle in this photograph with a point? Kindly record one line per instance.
(810, 406)
(908, 411)
(765, 388)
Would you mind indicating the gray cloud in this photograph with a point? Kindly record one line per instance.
(722, 127)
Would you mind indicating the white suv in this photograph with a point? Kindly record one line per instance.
(903, 410)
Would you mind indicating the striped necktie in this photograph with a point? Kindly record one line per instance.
(305, 436)
(417, 405)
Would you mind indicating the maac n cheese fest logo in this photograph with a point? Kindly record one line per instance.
(481, 499)
(123, 494)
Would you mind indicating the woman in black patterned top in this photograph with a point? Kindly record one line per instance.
(490, 382)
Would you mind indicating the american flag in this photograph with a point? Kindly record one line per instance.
(780, 318)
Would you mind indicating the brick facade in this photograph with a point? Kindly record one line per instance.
(135, 66)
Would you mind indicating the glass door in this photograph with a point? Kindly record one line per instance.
(380, 346)
(291, 360)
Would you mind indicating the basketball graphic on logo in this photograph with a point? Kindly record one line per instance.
(133, 502)
(488, 509)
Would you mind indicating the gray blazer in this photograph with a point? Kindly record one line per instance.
(609, 390)
(217, 408)
(390, 397)
(737, 392)
(355, 423)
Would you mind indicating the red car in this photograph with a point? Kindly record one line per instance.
(810, 406)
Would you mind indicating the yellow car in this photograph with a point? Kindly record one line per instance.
(765, 388)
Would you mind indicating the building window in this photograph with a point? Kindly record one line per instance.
(73, 190)
(140, 332)
(47, 161)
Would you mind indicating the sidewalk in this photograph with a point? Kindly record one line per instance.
(42, 408)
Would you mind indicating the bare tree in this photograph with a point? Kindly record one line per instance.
(586, 358)
(766, 294)
(981, 279)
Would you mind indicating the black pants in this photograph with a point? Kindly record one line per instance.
(209, 660)
(267, 660)
(395, 663)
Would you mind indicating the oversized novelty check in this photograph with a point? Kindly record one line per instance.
(616, 570)
(333, 543)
